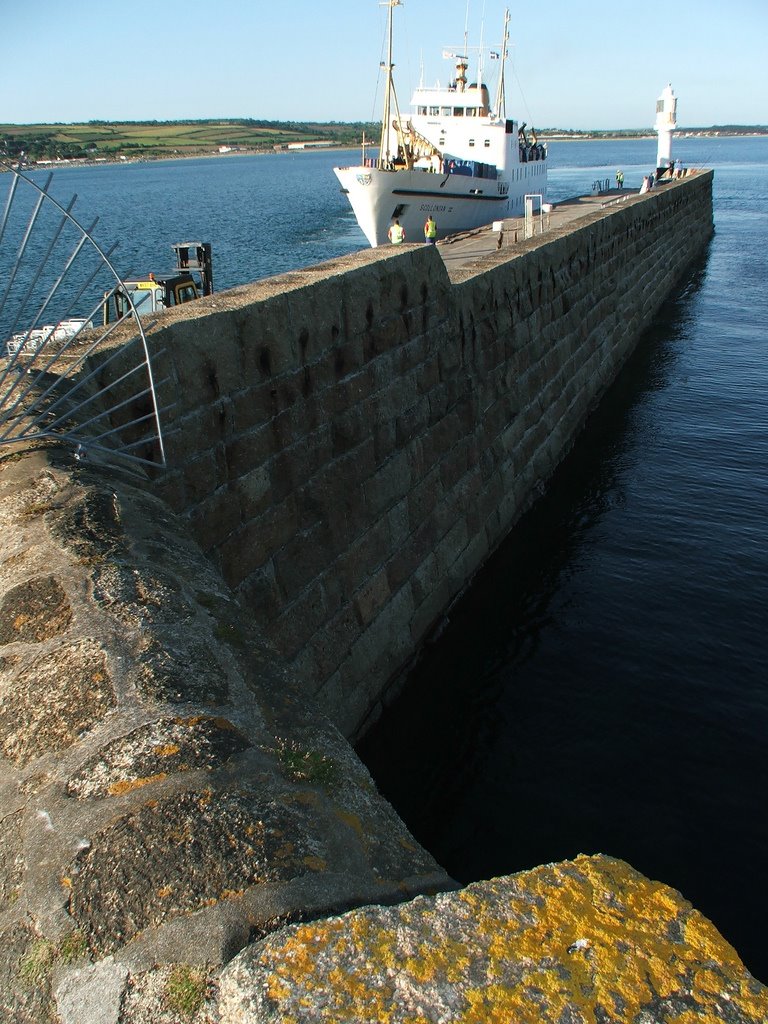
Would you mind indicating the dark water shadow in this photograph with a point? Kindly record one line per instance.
(510, 746)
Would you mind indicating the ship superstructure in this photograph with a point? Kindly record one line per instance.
(455, 156)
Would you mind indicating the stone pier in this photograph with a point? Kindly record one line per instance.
(186, 834)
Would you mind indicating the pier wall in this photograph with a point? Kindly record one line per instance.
(350, 442)
(183, 833)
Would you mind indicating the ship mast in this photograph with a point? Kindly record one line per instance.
(501, 103)
(385, 155)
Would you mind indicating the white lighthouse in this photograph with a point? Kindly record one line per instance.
(666, 122)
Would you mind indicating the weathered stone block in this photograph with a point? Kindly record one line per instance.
(298, 622)
(372, 597)
(261, 595)
(302, 559)
(330, 646)
(380, 649)
(586, 939)
(248, 450)
(34, 611)
(431, 610)
(387, 485)
(207, 364)
(189, 846)
(215, 518)
(53, 698)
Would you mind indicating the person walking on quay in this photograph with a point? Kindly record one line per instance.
(430, 230)
(396, 234)
(619, 179)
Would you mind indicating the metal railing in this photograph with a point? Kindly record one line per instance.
(56, 377)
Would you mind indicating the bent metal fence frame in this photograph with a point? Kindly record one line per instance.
(60, 377)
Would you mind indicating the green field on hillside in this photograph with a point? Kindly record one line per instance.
(151, 139)
(166, 138)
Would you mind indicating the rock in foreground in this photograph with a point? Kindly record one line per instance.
(588, 941)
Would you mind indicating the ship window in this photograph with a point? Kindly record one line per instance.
(487, 143)
(471, 111)
(445, 111)
(434, 111)
(458, 111)
(471, 142)
(423, 111)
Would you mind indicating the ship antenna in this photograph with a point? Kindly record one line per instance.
(384, 151)
(480, 51)
(501, 103)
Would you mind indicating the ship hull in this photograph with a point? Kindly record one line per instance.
(456, 202)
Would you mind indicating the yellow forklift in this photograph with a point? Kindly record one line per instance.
(191, 279)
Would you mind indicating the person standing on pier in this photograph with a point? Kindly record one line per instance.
(430, 230)
(396, 234)
(619, 179)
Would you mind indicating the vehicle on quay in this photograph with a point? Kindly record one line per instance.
(191, 279)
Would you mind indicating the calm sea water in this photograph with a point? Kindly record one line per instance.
(603, 684)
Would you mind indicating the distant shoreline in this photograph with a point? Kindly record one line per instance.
(629, 137)
(542, 136)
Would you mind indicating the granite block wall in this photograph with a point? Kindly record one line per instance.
(350, 442)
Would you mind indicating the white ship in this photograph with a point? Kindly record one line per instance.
(455, 156)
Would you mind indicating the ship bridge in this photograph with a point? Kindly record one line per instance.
(471, 102)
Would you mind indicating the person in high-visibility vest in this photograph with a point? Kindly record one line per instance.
(430, 230)
(396, 233)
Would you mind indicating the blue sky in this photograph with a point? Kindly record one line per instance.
(585, 65)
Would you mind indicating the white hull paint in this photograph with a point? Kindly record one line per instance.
(457, 203)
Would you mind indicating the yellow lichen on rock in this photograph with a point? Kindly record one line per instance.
(119, 788)
(353, 821)
(167, 749)
(588, 940)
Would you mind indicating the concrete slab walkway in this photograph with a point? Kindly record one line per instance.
(459, 251)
